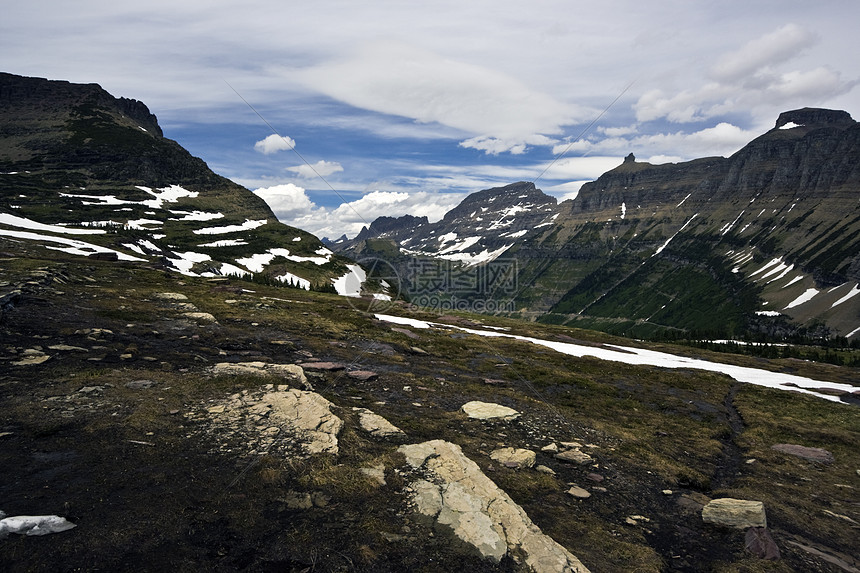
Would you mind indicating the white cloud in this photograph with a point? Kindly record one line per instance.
(292, 206)
(749, 79)
(274, 143)
(582, 168)
(319, 169)
(286, 200)
(771, 49)
(401, 79)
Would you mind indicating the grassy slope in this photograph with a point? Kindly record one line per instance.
(196, 501)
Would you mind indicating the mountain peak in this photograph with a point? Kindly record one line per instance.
(814, 117)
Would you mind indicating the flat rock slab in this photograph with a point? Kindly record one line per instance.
(737, 513)
(291, 372)
(140, 384)
(462, 497)
(329, 366)
(819, 455)
(362, 375)
(308, 415)
(514, 457)
(574, 456)
(376, 425)
(579, 492)
(488, 411)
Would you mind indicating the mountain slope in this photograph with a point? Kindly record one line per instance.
(83, 162)
(764, 242)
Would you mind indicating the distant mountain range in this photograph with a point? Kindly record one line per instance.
(765, 242)
(91, 174)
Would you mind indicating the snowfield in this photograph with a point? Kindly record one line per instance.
(642, 357)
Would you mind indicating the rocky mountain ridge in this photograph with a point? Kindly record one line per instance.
(764, 241)
(94, 174)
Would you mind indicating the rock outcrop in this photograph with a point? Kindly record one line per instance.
(455, 492)
(737, 513)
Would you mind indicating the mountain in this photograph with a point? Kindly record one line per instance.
(84, 171)
(763, 243)
(481, 227)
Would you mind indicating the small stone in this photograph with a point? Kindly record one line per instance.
(571, 445)
(578, 492)
(67, 348)
(550, 449)
(170, 296)
(201, 316)
(750, 461)
(574, 456)
(140, 384)
(545, 470)
(667, 492)
(595, 477)
(215, 409)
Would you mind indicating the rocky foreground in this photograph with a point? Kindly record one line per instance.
(154, 423)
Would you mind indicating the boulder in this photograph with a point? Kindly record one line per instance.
(737, 513)
(819, 455)
(488, 411)
(514, 457)
(479, 512)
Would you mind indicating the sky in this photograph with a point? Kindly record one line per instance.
(337, 112)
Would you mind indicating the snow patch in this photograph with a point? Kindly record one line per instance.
(791, 125)
(246, 226)
(350, 283)
(225, 243)
(852, 293)
(684, 199)
(289, 278)
(24, 223)
(74, 246)
(805, 297)
(684, 226)
(643, 357)
(196, 215)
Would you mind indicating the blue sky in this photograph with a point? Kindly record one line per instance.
(407, 107)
